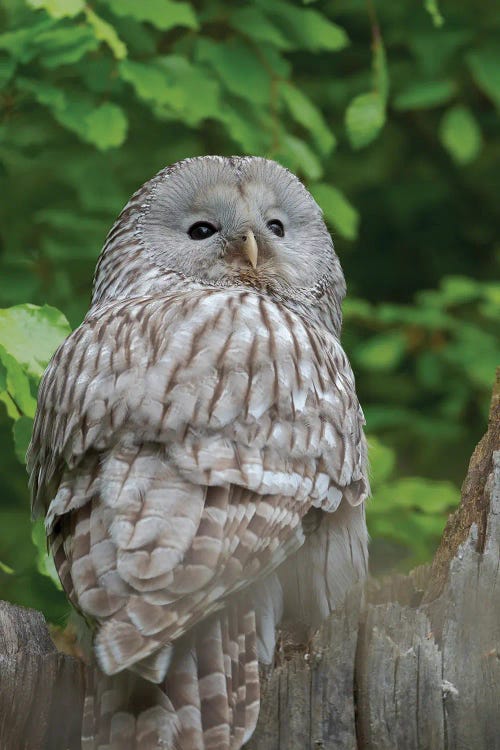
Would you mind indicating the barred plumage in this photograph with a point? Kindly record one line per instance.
(185, 430)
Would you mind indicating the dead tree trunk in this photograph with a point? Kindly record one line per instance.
(410, 663)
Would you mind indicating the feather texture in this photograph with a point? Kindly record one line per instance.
(183, 438)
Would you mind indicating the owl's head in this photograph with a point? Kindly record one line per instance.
(217, 221)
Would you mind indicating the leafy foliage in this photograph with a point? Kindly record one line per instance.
(388, 111)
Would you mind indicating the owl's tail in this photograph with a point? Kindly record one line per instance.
(208, 701)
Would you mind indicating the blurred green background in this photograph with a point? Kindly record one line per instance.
(388, 111)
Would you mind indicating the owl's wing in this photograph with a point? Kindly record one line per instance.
(178, 443)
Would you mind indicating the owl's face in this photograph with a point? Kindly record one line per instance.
(241, 221)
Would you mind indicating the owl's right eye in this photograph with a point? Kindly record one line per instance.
(202, 230)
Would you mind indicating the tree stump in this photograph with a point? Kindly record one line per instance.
(409, 663)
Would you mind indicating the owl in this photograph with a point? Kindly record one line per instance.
(198, 452)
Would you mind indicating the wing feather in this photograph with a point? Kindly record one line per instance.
(178, 443)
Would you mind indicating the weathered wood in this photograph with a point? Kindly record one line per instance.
(426, 675)
(474, 505)
(41, 690)
(427, 669)
(415, 667)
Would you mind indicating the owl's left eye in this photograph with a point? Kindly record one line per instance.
(202, 230)
(276, 227)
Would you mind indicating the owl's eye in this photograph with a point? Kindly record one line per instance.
(202, 230)
(276, 227)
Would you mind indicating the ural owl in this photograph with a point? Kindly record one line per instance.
(198, 451)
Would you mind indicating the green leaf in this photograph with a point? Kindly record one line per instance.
(425, 94)
(433, 497)
(149, 82)
(163, 14)
(299, 157)
(106, 33)
(59, 8)
(484, 65)
(382, 461)
(305, 28)
(31, 334)
(245, 128)
(22, 43)
(22, 429)
(65, 45)
(54, 43)
(364, 118)
(460, 134)
(252, 22)
(106, 126)
(475, 352)
(44, 562)
(17, 386)
(432, 8)
(458, 290)
(6, 569)
(337, 209)
(309, 116)
(168, 82)
(382, 352)
(354, 307)
(238, 68)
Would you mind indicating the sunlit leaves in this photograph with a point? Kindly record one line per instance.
(59, 8)
(163, 14)
(106, 33)
(31, 334)
(432, 8)
(460, 134)
(17, 386)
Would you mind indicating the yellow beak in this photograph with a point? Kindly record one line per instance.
(250, 248)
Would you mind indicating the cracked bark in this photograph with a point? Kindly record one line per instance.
(416, 667)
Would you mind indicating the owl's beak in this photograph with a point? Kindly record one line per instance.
(249, 247)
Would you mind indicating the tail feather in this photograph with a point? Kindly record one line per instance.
(126, 712)
(208, 701)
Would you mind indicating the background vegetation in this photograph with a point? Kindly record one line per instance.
(387, 110)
